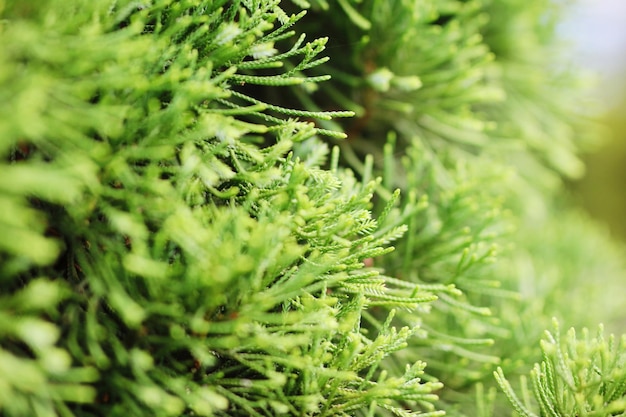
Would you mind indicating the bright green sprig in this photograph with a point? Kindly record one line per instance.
(579, 376)
(275, 81)
(328, 115)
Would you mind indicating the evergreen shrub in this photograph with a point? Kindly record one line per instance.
(307, 208)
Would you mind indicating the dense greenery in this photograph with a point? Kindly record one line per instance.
(265, 207)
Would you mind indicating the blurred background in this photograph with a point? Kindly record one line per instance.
(596, 31)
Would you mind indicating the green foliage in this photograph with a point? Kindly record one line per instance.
(192, 224)
(577, 377)
(182, 259)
